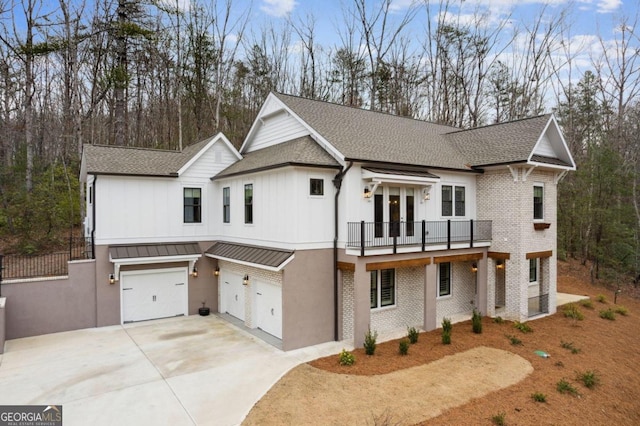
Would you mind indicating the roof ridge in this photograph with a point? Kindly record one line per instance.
(138, 148)
(499, 124)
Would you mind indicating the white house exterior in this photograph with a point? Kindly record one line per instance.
(331, 221)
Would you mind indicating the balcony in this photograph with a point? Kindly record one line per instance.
(397, 237)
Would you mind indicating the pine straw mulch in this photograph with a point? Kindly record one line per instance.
(611, 349)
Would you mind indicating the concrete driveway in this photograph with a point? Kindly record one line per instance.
(178, 371)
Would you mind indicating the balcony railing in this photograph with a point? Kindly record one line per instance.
(364, 235)
(538, 305)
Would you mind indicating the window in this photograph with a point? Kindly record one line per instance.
(410, 212)
(192, 205)
(383, 288)
(316, 186)
(453, 196)
(444, 279)
(248, 203)
(538, 195)
(226, 205)
(533, 270)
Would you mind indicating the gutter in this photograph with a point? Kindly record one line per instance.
(337, 183)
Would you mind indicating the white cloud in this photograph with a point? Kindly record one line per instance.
(278, 8)
(608, 6)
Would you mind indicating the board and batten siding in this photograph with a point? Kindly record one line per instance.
(544, 147)
(276, 129)
(214, 160)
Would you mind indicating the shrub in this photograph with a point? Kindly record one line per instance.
(412, 334)
(498, 320)
(523, 326)
(403, 347)
(539, 397)
(569, 346)
(370, 342)
(589, 378)
(572, 311)
(498, 419)
(446, 324)
(565, 387)
(621, 310)
(587, 303)
(601, 298)
(446, 331)
(514, 340)
(347, 358)
(476, 322)
(608, 314)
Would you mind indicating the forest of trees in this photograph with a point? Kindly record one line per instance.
(167, 73)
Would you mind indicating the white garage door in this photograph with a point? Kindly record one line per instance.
(151, 294)
(269, 308)
(231, 294)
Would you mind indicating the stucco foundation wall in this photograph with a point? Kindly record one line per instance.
(35, 307)
(409, 308)
(308, 299)
(463, 293)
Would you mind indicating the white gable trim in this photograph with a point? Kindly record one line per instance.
(564, 147)
(219, 137)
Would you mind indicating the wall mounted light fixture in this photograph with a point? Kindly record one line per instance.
(500, 264)
(194, 273)
(367, 192)
(245, 280)
(112, 279)
(474, 267)
(216, 271)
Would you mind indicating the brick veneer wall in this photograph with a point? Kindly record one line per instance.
(347, 304)
(463, 293)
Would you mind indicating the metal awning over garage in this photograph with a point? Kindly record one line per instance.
(271, 259)
(141, 254)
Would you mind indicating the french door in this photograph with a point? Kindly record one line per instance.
(393, 207)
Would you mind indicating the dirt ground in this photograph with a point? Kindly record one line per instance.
(479, 376)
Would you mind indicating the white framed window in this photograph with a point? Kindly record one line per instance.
(444, 279)
(538, 201)
(316, 187)
(533, 270)
(453, 200)
(248, 203)
(226, 204)
(383, 288)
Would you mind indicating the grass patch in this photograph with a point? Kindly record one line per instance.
(608, 314)
(589, 379)
(523, 327)
(514, 340)
(587, 303)
(572, 311)
(539, 397)
(498, 419)
(601, 298)
(569, 346)
(565, 387)
(621, 310)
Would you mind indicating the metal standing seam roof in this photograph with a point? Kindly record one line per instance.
(265, 256)
(153, 250)
(549, 160)
(299, 151)
(119, 160)
(402, 172)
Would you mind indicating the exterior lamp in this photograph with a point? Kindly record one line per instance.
(474, 267)
(112, 279)
(216, 271)
(245, 280)
(500, 264)
(194, 273)
(367, 192)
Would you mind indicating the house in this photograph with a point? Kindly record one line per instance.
(331, 221)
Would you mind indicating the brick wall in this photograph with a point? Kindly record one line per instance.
(347, 304)
(463, 293)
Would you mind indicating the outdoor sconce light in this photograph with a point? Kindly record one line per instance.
(112, 279)
(194, 273)
(367, 192)
(474, 267)
(216, 271)
(500, 264)
(426, 193)
(245, 280)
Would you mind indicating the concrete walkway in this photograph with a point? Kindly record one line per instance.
(178, 371)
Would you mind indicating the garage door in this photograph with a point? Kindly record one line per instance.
(269, 308)
(151, 294)
(231, 294)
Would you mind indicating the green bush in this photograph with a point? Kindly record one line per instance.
(514, 340)
(412, 334)
(370, 342)
(608, 314)
(589, 378)
(565, 387)
(587, 303)
(523, 327)
(539, 397)
(403, 347)
(498, 320)
(347, 358)
(569, 346)
(476, 322)
(446, 331)
(621, 310)
(601, 298)
(446, 324)
(498, 419)
(572, 311)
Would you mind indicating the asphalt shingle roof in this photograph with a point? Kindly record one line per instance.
(299, 151)
(118, 160)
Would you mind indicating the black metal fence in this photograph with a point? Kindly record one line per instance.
(45, 265)
(365, 235)
(538, 305)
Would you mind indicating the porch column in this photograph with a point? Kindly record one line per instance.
(430, 292)
(361, 303)
(482, 285)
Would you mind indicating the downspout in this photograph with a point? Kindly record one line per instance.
(93, 244)
(337, 183)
